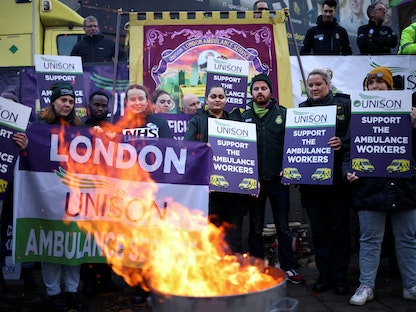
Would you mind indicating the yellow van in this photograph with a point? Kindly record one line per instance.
(248, 184)
(362, 164)
(399, 165)
(218, 180)
(292, 174)
(321, 174)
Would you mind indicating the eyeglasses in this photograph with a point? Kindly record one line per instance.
(262, 9)
(374, 76)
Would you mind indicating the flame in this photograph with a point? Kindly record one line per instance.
(174, 251)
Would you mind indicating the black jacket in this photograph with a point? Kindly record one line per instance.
(198, 124)
(96, 48)
(376, 39)
(270, 139)
(326, 39)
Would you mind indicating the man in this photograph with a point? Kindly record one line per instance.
(97, 276)
(190, 104)
(355, 19)
(327, 37)
(375, 38)
(258, 7)
(269, 117)
(408, 40)
(94, 47)
(98, 109)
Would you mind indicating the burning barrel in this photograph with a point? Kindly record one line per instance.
(261, 300)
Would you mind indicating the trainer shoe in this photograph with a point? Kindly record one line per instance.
(362, 295)
(294, 277)
(409, 293)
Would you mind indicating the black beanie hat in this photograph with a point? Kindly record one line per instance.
(261, 77)
(60, 89)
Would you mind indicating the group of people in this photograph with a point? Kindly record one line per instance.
(329, 37)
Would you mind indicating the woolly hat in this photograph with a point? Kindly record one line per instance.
(261, 77)
(60, 89)
(10, 94)
(382, 72)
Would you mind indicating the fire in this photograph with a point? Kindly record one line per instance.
(161, 246)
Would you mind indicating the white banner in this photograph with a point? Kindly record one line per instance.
(349, 72)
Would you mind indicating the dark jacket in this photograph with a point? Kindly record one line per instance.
(343, 103)
(376, 39)
(270, 139)
(326, 39)
(96, 48)
(198, 124)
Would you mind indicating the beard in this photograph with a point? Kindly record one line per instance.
(262, 100)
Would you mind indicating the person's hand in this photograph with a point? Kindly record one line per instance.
(21, 140)
(352, 177)
(335, 143)
(281, 175)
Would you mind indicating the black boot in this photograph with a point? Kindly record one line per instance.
(73, 301)
(29, 283)
(139, 295)
(57, 304)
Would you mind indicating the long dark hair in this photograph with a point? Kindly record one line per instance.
(49, 116)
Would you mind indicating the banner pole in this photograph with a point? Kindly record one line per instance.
(286, 10)
(116, 53)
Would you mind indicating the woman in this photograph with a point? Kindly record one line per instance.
(61, 111)
(162, 101)
(376, 199)
(328, 205)
(223, 207)
(138, 121)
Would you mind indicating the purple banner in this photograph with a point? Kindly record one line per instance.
(166, 160)
(177, 123)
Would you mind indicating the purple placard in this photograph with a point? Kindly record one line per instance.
(13, 118)
(8, 156)
(382, 145)
(232, 76)
(307, 158)
(381, 133)
(51, 69)
(234, 148)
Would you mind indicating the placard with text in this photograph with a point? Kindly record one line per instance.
(307, 158)
(381, 133)
(14, 118)
(231, 74)
(234, 147)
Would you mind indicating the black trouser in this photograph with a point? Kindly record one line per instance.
(229, 208)
(328, 212)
